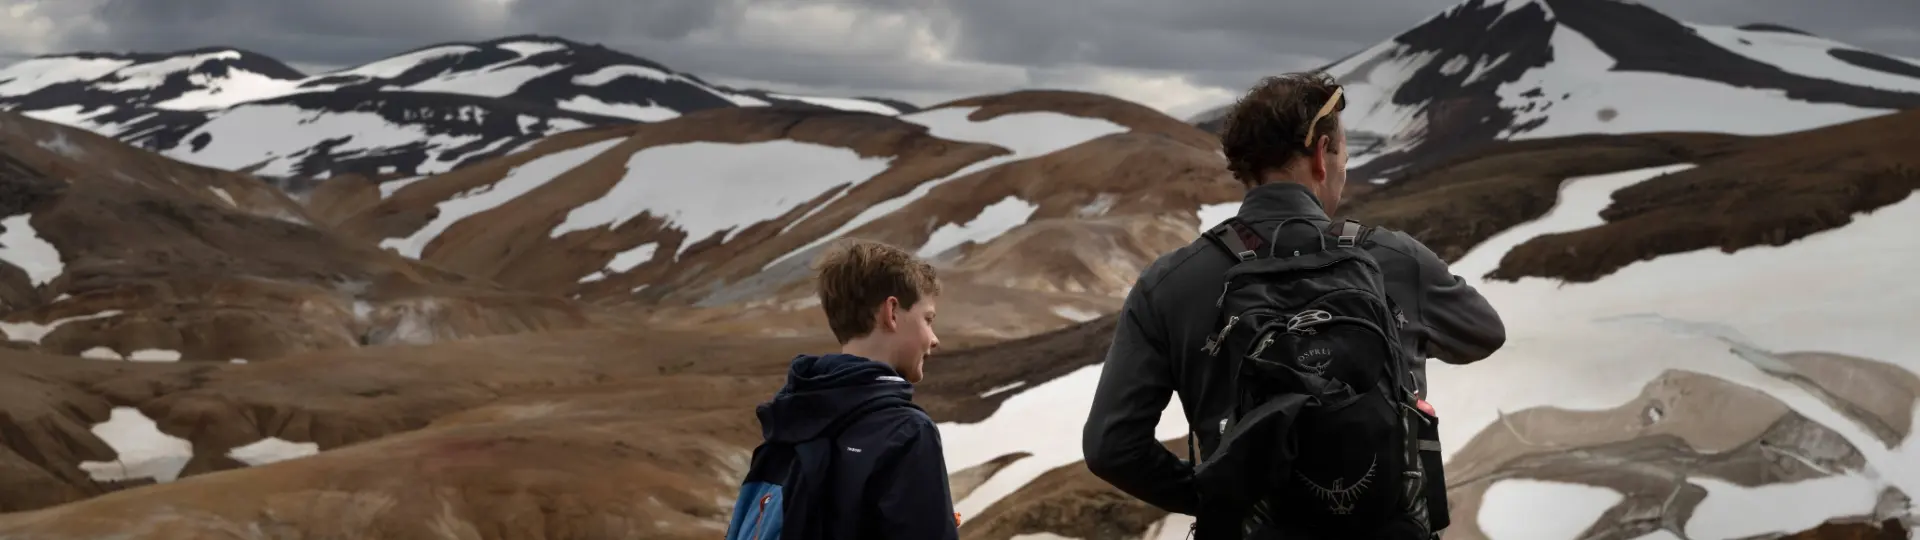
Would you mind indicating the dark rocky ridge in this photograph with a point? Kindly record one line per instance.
(132, 115)
(435, 113)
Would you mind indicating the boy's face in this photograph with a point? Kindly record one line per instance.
(909, 336)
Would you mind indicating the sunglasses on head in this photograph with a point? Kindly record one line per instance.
(1334, 102)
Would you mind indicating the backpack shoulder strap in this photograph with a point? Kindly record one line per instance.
(805, 502)
(1350, 233)
(1236, 238)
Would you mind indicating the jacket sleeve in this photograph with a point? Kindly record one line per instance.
(915, 502)
(1462, 327)
(1135, 386)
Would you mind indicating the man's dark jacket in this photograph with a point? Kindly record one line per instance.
(889, 475)
(1170, 312)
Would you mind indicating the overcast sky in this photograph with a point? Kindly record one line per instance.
(1180, 56)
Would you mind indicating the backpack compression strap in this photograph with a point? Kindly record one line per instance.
(1238, 239)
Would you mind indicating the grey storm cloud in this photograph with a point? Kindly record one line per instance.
(988, 44)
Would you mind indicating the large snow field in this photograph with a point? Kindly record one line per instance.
(1046, 421)
(1803, 55)
(1646, 102)
(1025, 135)
(1594, 346)
(250, 134)
(705, 188)
(516, 182)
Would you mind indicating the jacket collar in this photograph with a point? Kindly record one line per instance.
(1281, 200)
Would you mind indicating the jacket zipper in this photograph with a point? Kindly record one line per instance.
(762, 516)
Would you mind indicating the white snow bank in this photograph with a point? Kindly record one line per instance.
(31, 75)
(737, 185)
(253, 133)
(515, 183)
(1647, 101)
(1802, 55)
(624, 261)
(22, 247)
(1521, 509)
(1046, 421)
(994, 220)
(1735, 511)
(272, 449)
(1212, 215)
(1569, 349)
(1025, 135)
(142, 450)
(33, 332)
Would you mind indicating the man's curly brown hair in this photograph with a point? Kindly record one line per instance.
(856, 276)
(1267, 128)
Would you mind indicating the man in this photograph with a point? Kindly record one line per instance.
(1283, 140)
(847, 453)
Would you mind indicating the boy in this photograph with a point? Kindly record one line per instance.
(847, 455)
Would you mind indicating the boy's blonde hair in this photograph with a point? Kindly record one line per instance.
(856, 277)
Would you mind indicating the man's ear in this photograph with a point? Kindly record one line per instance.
(1317, 158)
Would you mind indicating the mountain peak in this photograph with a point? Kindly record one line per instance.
(1487, 70)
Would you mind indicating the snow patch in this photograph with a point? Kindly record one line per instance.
(1645, 101)
(1046, 421)
(32, 332)
(141, 449)
(224, 196)
(1734, 511)
(270, 450)
(624, 261)
(1076, 314)
(997, 390)
(515, 183)
(1025, 135)
(1523, 508)
(994, 220)
(742, 184)
(1212, 215)
(22, 247)
(645, 113)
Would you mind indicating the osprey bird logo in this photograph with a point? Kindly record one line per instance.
(1341, 497)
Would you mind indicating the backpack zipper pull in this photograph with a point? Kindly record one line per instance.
(1213, 343)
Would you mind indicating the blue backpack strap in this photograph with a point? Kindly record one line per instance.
(813, 462)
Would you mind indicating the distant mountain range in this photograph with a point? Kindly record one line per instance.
(1489, 70)
(418, 113)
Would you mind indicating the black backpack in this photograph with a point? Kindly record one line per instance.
(1323, 440)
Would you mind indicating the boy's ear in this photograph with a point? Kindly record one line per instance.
(889, 314)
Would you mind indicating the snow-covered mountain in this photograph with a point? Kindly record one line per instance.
(421, 112)
(1489, 70)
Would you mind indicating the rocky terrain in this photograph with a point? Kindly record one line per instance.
(565, 338)
(112, 252)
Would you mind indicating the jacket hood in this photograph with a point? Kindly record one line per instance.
(823, 389)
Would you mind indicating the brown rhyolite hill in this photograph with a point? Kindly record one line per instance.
(1104, 207)
(157, 255)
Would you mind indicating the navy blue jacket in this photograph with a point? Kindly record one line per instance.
(888, 473)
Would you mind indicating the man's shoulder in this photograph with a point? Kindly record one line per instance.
(1184, 260)
(1397, 242)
